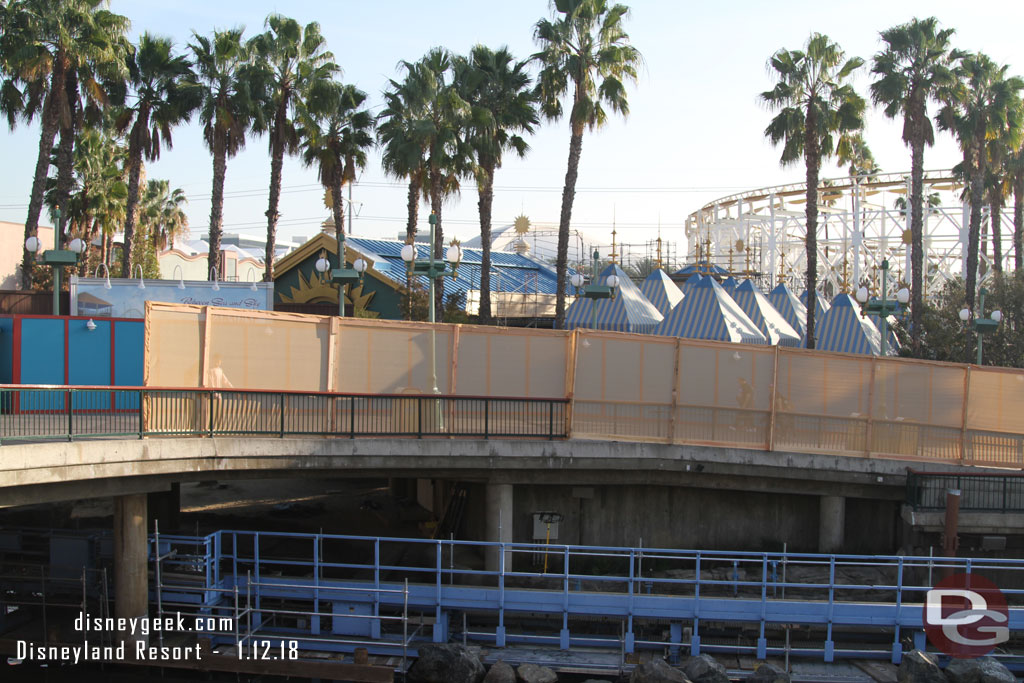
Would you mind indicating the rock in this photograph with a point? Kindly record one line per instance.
(446, 664)
(704, 669)
(981, 670)
(768, 673)
(531, 673)
(500, 672)
(919, 667)
(657, 671)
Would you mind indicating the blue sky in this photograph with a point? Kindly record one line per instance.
(695, 131)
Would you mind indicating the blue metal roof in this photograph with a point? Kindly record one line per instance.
(708, 312)
(821, 304)
(792, 309)
(729, 284)
(510, 272)
(761, 312)
(629, 311)
(661, 291)
(843, 328)
(691, 281)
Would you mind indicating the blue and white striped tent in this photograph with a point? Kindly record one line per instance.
(729, 284)
(821, 304)
(629, 311)
(708, 312)
(761, 312)
(892, 341)
(691, 281)
(790, 307)
(661, 291)
(843, 328)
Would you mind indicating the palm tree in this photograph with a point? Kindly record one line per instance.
(45, 43)
(403, 153)
(335, 135)
(163, 213)
(232, 89)
(497, 89)
(819, 115)
(913, 68)
(426, 116)
(301, 65)
(588, 50)
(979, 106)
(1015, 184)
(162, 94)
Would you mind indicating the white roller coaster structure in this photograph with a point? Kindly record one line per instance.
(760, 233)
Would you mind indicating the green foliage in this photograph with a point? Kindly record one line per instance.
(945, 337)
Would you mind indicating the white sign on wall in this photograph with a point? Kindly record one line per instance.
(121, 298)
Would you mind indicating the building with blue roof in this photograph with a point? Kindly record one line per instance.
(708, 312)
(821, 304)
(729, 284)
(628, 311)
(843, 328)
(761, 312)
(520, 286)
(661, 291)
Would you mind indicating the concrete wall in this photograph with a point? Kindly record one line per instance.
(671, 517)
(872, 526)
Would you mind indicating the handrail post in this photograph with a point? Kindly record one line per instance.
(71, 430)
(211, 402)
(281, 405)
(352, 417)
(142, 419)
(419, 418)
(551, 420)
(487, 417)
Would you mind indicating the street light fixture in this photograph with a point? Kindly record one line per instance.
(884, 307)
(595, 291)
(432, 271)
(57, 257)
(982, 326)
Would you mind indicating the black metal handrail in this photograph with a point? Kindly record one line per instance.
(978, 492)
(38, 413)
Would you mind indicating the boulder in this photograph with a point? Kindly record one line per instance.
(919, 667)
(704, 669)
(981, 670)
(768, 673)
(500, 672)
(657, 671)
(446, 663)
(531, 673)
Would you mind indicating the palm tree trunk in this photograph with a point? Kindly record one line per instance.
(415, 185)
(65, 173)
(50, 123)
(276, 164)
(995, 220)
(337, 211)
(568, 194)
(220, 167)
(1018, 221)
(811, 158)
(438, 246)
(486, 194)
(132, 202)
(916, 241)
(976, 165)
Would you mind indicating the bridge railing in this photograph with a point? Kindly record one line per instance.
(33, 413)
(1004, 492)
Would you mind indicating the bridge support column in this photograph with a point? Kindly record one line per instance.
(131, 587)
(831, 520)
(165, 507)
(499, 525)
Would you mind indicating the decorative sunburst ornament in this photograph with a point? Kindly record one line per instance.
(328, 199)
(521, 224)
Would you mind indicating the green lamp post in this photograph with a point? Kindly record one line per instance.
(57, 257)
(342, 275)
(594, 291)
(883, 307)
(980, 325)
(432, 270)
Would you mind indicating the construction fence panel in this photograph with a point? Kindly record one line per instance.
(723, 394)
(822, 402)
(994, 422)
(494, 361)
(392, 357)
(917, 409)
(174, 346)
(622, 386)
